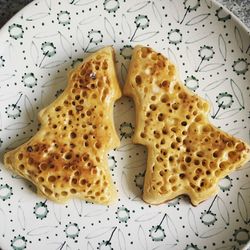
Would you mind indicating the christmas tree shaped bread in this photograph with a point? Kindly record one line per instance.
(186, 153)
(68, 155)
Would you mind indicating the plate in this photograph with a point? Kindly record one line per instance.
(44, 41)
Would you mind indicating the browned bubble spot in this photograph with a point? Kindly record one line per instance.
(217, 172)
(153, 98)
(196, 162)
(173, 145)
(188, 159)
(196, 177)
(200, 105)
(77, 97)
(203, 183)
(43, 166)
(161, 173)
(174, 129)
(183, 123)
(84, 94)
(164, 99)
(216, 154)
(68, 156)
(73, 191)
(171, 158)
(200, 153)
(232, 155)
(40, 179)
(51, 178)
(74, 181)
(105, 65)
(57, 195)
(98, 57)
(240, 146)
(161, 117)
(223, 165)
(206, 139)
(98, 145)
(154, 56)
(182, 95)
(85, 137)
(79, 107)
(204, 162)
(182, 176)
(143, 135)
(159, 158)
(64, 193)
(83, 182)
(145, 52)
(164, 152)
(208, 172)
(72, 135)
(198, 118)
(21, 167)
(58, 108)
(89, 113)
(20, 156)
(105, 93)
(102, 198)
(165, 130)
(175, 106)
(153, 107)
(138, 80)
(47, 191)
(30, 160)
(157, 135)
(163, 141)
(172, 179)
(97, 194)
(165, 83)
(198, 171)
(29, 149)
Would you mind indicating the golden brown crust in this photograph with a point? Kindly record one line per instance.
(186, 153)
(68, 156)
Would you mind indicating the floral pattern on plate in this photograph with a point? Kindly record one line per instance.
(46, 40)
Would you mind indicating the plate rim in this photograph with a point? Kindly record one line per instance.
(235, 19)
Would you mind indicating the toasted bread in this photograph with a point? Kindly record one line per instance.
(67, 157)
(186, 153)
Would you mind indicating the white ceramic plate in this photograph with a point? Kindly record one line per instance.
(37, 48)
